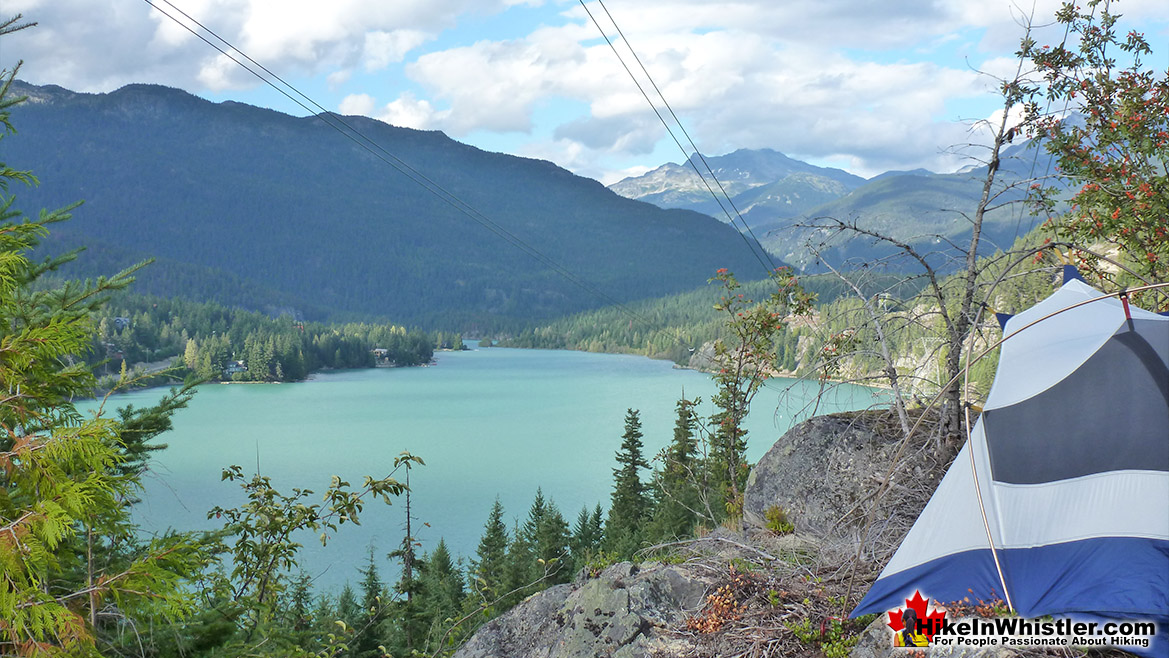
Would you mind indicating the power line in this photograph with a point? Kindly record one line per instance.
(682, 127)
(381, 153)
(769, 266)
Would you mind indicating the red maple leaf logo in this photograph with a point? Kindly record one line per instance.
(931, 620)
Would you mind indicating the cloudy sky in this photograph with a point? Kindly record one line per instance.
(865, 85)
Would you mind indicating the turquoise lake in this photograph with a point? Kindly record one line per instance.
(491, 422)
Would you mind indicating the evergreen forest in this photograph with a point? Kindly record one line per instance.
(209, 342)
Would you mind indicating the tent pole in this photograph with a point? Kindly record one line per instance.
(982, 510)
(994, 554)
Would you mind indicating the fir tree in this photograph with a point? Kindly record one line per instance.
(348, 607)
(676, 491)
(441, 595)
(488, 570)
(368, 629)
(517, 568)
(551, 547)
(300, 614)
(631, 504)
(728, 450)
(536, 514)
(535, 545)
(586, 538)
(597, 523)
(525, 546)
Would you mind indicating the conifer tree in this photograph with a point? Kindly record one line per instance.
(63, 494)
(300, 611)
(584, 542)
(137, 428)
(538, 553)
(348, 607)
(517, 568)
(551, 547)
(597, 523)
(536, 514)
(676, 495)
(369, 626)
(527, 569)
(441, 594)
(631, 504)
(488, 570)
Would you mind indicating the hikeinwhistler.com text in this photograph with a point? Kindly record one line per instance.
(1016, 632)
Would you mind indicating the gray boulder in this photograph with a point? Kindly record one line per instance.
(824, 473)
(624, 612)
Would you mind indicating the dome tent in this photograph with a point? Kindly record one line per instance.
(1060, 499)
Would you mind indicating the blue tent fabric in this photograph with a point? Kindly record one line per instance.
(1071, 273)
(1120, 566)
(1071, 457)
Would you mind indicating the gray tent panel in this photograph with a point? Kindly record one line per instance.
(1108, 415)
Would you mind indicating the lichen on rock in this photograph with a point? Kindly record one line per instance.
(624, 612)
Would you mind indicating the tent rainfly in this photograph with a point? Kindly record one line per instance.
(1065, 479)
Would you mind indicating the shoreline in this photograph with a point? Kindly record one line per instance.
(101, 394)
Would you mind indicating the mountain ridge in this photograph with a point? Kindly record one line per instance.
(919, 207)
(677, 185)
(283, 202)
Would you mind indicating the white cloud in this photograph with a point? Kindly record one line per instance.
(409, 111)
(384, 48)
(983, 131)
(876, 84)
(97, 45)
(492, 85)
(573, 156)
(338, 78)
(357, 104)
(731, 89)
(612, 176)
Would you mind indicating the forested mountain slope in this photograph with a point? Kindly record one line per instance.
(290, 211)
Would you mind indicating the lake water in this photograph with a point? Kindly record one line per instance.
(488, 423)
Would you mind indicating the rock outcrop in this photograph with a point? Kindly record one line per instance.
(624, 612)
(703, 359)
(825, 472)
